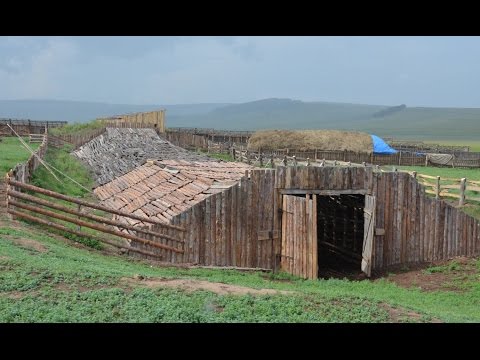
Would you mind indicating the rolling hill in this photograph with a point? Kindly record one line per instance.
(399, 121)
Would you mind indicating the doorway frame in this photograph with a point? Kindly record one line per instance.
(311, 192)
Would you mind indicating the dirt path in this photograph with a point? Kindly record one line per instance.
(193, 285)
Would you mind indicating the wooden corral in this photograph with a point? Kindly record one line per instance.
(26, 127)
(259, 223)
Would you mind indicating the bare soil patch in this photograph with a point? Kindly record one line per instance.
(30, 244)
(398, 314)
(439, 280)
(194, 285)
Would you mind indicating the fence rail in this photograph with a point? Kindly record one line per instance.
(462, 189)
(34, 206)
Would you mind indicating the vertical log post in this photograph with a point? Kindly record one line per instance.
(463, 186)
(308, 161)
(294, 161)
(272, 161)
(437, 189)
(285, 160)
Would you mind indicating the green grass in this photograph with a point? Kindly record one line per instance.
(454, 173)
(220, 156)
(67, 164)
(12, 152)
(472, 208)
(76, 285)
(77, 128)
(474, 144)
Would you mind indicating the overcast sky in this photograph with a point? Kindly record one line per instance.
(416, 71)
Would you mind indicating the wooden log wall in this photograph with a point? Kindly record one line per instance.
(187, 140)
(234, 227)
(154, 118)
(418, 228)
(241, 226)
(324, 178)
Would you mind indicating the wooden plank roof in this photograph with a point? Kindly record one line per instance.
(163, 189)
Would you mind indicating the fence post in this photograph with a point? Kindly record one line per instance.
(377, 167)
(285, 160)
(294, 160)
(272, 161)
(345, 155)
(463, 186)
(399, 158)
(261, 159)
(79, 208)
(248, 157)
(308, 161)
(316, 151)
(437, 189)
(234, 154)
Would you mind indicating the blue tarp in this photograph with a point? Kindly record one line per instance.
(381, 147)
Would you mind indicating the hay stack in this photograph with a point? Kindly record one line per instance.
(311, 139)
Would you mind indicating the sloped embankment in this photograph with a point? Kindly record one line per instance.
(119, 151)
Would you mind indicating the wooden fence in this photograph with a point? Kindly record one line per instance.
(126, 236)
(26, 127)
(232, 228)
(462, 189)
(154, 119)
(78, 140)
(419, 146)
(414, 228)
(23, 172)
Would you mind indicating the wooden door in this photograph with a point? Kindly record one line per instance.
(299, 236)
(368, 234)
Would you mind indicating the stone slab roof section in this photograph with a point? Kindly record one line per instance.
(120, 150)
(163, 189)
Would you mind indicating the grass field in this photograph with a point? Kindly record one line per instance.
(67, 164)
(12, 152)
(42, 279)
(47, 278)
(474, 144)
(77, 128)
(472, 207)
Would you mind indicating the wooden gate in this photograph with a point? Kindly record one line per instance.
(368, 235)
(299, 236)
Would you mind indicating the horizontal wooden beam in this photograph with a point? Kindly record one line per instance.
(90, 205)
(323, 192)
(93, 217)
(79, 233)
(101, 228)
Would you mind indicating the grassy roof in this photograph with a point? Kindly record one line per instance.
(311, 139)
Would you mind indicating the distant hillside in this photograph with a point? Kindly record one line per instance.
(81, 111)
(399, 121)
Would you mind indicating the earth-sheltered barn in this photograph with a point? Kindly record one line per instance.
(319, 139)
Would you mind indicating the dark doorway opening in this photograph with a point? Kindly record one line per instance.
(340, 234)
